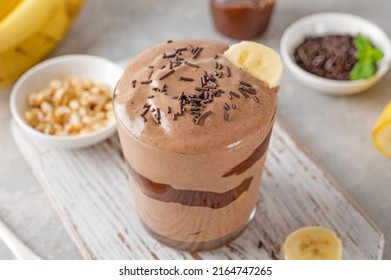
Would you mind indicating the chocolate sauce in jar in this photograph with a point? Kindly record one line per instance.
(241, 19)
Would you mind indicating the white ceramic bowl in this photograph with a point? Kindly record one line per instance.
(328, 24)
(91, 67)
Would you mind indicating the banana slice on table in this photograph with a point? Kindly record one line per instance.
(312, 243)
(381, 133)
(260, 61)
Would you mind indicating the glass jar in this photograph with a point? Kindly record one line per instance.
(241, 19)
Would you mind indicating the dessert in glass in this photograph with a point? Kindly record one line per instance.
(194, 129)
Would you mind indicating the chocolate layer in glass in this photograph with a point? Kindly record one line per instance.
(194, 130)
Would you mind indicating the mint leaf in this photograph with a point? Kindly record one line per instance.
(367, 55)
(361, 43)
(377, 55)
(362, 70)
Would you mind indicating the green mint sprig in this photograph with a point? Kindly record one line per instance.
(367, 56)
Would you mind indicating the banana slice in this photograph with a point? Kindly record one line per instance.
(312, 243)
(381, 133)
(260, 61)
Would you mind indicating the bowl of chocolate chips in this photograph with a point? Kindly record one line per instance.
(336, 53)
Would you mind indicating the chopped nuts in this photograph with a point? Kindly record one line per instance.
(69, 106)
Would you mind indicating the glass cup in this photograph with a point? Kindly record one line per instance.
(241, 19)
(195, 181)
(206, 200)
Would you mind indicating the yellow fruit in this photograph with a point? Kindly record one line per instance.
(381, 133)
(6, 6)
(312, 243)
(260, 61)
(73, 7)
(24, 21)
(20, 57)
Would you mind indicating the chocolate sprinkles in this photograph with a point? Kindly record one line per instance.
(191, 64)
(180, 109)
(197, 52)
(244, 93)
(144, 112)
(245, 84)
(220, 75)
(202, 117)
(158, 114)
(167, 74)
(186, 79)
(155, 119)
(169, 55)
(249, 90)
(206, 87)
(180, 50)
(234, 94)
(180, 96)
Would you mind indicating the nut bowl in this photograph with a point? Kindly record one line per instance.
(331, 24)
(95, 69)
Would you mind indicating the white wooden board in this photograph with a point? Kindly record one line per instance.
(90, 191)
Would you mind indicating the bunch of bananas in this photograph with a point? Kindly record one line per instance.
(29, 29)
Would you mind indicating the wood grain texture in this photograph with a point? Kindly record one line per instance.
(90, 191)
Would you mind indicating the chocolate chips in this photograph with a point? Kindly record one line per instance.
(331, 56)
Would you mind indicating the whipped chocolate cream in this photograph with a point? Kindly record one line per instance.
(194, 131)
(148, 98)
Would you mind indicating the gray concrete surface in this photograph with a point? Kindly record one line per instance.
(336, 130)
